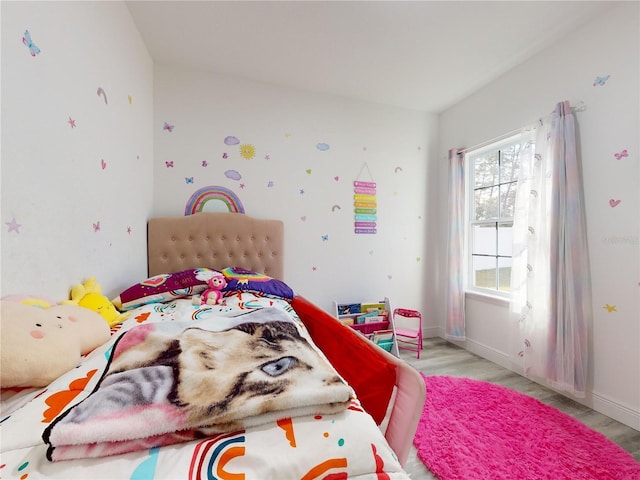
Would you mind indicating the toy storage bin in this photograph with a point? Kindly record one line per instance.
(386, 345)
(369, 328)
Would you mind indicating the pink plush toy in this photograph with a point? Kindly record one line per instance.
(213, 294)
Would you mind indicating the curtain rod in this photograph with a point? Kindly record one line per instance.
(581, 107)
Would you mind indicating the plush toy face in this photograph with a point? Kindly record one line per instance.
(217, 282)
(89, 295)
(100, 304)
(38, 345)
(88, 326)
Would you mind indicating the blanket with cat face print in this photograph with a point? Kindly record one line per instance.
(186, 379)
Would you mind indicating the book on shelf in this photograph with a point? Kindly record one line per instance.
(384, 339)
(349, 308)
(382, 336)
(369, 317)
(370, 307)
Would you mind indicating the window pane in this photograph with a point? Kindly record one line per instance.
(507, 199)
(504, 274)
(509, 163)
(486, 169)
(505, 239)
(484, 240)
(486, 203)
(484, 272)
(491, 208)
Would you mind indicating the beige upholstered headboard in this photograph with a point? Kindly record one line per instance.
(215, 240)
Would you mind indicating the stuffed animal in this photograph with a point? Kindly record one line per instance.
(213, 294)
(89, 295)
(38, 345)
(31, 300)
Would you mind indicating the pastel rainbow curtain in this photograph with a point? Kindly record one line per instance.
(454, 309)
(550, 279)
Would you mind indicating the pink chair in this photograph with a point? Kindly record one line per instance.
(408, 326)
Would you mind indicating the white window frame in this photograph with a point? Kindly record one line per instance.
(470, 221)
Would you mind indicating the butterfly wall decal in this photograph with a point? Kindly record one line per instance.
(599, 81)
(188, 179)
(96, 226)
(33, 48)
(169, 128)
(169, 164)
(622, 154)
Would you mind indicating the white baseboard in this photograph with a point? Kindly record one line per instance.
(491, 354)
(431, 332)
(598, 402)
(615, 410)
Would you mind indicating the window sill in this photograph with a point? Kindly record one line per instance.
(488, 298)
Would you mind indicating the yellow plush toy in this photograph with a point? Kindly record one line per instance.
(89, 295)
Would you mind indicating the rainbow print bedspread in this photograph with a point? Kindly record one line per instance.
(189, 433)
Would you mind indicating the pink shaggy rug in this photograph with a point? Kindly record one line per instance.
(473, 430)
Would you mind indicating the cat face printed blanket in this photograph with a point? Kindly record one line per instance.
(173, 381)
(347, 444)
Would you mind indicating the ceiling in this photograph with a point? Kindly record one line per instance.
(422, 55)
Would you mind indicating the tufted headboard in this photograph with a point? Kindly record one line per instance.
(215, 240)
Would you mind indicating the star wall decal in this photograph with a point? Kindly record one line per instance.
(13, 226)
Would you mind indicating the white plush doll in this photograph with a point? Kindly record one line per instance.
(37, 345)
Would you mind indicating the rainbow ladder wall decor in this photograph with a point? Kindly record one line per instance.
(365, 206)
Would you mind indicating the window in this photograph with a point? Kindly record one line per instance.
(493, 176)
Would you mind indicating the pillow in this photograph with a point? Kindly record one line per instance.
(31, 300)
(164, 287)
(245, 280)
(360, 363)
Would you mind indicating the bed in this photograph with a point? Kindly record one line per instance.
(309, 412)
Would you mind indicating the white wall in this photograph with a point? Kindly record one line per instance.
(55, 188)
(610, 124)
(285, 127)
(54, 185)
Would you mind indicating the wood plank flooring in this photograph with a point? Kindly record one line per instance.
(440, 357)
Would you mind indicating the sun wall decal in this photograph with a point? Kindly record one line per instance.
(247, 151)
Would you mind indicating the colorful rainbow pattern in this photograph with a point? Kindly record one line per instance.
(203, 195)
(365, 206)
(210, 457)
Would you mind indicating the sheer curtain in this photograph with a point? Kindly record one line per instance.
(550, 280)
(454, 315)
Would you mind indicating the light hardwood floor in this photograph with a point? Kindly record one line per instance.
(440, 357)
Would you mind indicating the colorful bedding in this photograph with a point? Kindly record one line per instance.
(293, 438)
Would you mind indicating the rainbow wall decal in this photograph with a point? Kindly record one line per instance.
(203, 195)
